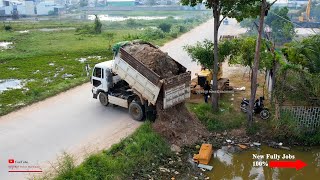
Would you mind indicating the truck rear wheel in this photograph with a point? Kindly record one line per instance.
(136, 111)
(103, 98)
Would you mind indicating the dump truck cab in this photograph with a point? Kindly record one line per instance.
(103, 78)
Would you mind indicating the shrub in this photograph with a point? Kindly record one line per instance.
(97, 25)
(131, 23)
(165, 27)
(153, 34)
(7, 27)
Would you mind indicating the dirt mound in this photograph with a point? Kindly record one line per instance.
(158, 61)
(178, 125)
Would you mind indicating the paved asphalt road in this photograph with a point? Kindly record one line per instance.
(75, 123)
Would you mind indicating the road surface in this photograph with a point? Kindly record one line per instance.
(75, 123)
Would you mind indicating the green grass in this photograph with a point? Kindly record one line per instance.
(133, 154)
(226, 119)
(41, 59)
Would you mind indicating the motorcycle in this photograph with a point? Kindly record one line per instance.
(258, 107)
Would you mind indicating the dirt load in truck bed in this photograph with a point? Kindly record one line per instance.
(156, 60)
(176, 124)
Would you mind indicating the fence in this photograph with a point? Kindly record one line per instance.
(307, 117)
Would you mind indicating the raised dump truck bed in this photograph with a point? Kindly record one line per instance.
(149, 84)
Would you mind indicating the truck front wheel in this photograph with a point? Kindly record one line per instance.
(103, 98)
(136, 111)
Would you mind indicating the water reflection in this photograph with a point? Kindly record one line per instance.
(239, 165)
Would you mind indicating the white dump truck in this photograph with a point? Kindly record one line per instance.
(126, 82)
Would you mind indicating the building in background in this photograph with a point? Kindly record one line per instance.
(121, 3)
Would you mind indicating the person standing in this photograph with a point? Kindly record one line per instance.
(206, 89)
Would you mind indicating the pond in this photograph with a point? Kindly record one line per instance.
(227, 165)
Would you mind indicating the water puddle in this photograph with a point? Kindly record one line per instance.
(5, 45)
(8, 84)
(239, 164)
(121, 18)
(83, 59)
(23, 32)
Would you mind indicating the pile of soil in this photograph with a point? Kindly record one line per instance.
(158, 61)
(176, 123)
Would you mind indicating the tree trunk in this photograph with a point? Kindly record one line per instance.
(216, 16)
(256, 64)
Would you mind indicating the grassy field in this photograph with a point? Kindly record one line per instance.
(140, 152)
(48, 62)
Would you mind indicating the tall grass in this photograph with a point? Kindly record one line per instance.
(132, 154)
(227, 118)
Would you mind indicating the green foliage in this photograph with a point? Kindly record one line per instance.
(220, 121)
(165, 27)
(253, 129)
(132, 23)
(110, 37)
(130, 155)
(153, 34)
(7, 27)
(305, 53)
(242, 52)
(282, 28)
(238, 9)
(239, 50)
(97, 25)
(286, 127)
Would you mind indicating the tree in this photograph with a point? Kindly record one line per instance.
(165, 27)
(97, 25)
(280, 24)
(305, 53)
(238, 9)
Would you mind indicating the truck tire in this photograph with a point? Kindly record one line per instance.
(103, 98)
(136, 111)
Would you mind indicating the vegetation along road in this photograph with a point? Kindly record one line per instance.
(75, 123)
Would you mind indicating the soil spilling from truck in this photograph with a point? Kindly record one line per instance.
(176, 123)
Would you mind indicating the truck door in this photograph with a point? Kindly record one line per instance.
(97, 78)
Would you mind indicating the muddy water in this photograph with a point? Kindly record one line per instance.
(227, 165)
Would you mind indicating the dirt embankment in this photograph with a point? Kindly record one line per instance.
(176, 124)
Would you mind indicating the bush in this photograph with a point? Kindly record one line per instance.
(86, 29)
(153, 34)
(132, 23)
(286, 127)
(165, 27)
(97, 25)
(7, 27)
